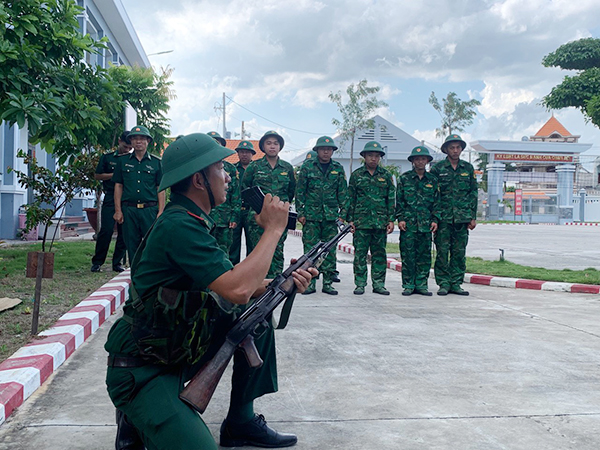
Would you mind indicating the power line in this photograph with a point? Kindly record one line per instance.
(278, 124)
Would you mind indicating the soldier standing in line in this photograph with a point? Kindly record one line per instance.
(245, 151)
(137, 200)
(320, 195)
(370, 211)
(457, 215)
(274, 176)
(104, 172)
(226, 216)
(417, 197)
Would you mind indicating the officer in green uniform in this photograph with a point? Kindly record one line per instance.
(417, 197)
(370, 211)
(274, 176)
(457, 215)
(137, 200)
(245, 151)
(171, 323)
(226, 216)
(321, 193)
(104, 172)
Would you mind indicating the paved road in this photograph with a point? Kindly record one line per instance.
(501, 369)
(549, 246)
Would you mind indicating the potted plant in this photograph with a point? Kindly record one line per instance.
(52, 192)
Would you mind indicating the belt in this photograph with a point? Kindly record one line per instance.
(140, 205)
(126, 361)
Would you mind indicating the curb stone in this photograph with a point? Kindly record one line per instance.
(488, 280)
(27, 369)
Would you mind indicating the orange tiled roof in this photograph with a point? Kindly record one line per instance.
(233, 143)
(551, 127)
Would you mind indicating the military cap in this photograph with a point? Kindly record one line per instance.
(246, 145)
(217, 137)
(325, 141)
(269, 134)
(420, 151)
(189, 154)
(372, 146)
(311, 155)
(453, 138)
(139, 130)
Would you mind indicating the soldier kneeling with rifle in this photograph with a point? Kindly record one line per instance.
(175, 319)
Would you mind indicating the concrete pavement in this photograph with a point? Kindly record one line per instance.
(501, 369)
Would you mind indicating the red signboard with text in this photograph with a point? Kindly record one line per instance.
(519, 202)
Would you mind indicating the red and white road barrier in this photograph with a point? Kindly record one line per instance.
(30, 366)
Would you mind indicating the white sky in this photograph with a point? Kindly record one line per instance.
(281, 58)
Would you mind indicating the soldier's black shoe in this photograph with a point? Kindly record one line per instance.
(95, 268)
(381, 291)
(335, 278)
(329, 290)
(424, 292)
(359, 290)
(127, 436)
(443, 291)
(118, 268)
(256, 432)
(407, 292)
(458, 291)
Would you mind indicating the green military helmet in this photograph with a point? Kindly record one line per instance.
(189, 154)
(217, 137)
(325, 141)
(246, 145)
(453, 138)
(311, 155)
(139, 130)
(420, 151)
(268, 134)
(372, 146)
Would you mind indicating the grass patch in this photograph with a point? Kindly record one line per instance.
(72, 282)
(509, 269)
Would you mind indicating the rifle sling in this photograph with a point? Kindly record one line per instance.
(285, 313)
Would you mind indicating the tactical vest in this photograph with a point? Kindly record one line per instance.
(171, 326)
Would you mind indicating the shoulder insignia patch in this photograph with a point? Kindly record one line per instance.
(334, 172)
(381, 179)
(284, 173)
(429, 185)
(464, 174)
(200, 218)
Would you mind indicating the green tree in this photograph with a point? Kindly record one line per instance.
(582, 90)
(455, 113)
(356, 112)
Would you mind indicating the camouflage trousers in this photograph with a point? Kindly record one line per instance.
(451, 246)
(375, 240)
(312, 233)
(277, 262)
(235, 251)
(224, 237)
(415, 250)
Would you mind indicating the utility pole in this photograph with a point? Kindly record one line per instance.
(224, 125)
(243, 132)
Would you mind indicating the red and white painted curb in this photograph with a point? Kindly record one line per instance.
(584, 224)
(488, 280)
(30, 366)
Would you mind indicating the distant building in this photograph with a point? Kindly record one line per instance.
(100, 18)
(396, 143)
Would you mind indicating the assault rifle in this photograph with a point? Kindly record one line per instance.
(241, 335)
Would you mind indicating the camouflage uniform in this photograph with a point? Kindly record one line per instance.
(458, 206)
(242, 225)
(370, 207)
(279, 181)
(319, 198)
(416, 203)
(228, 212)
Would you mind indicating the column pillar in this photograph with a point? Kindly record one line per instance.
(564, 189)
(495, 172)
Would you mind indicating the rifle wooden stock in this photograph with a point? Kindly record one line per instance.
(201, 388)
